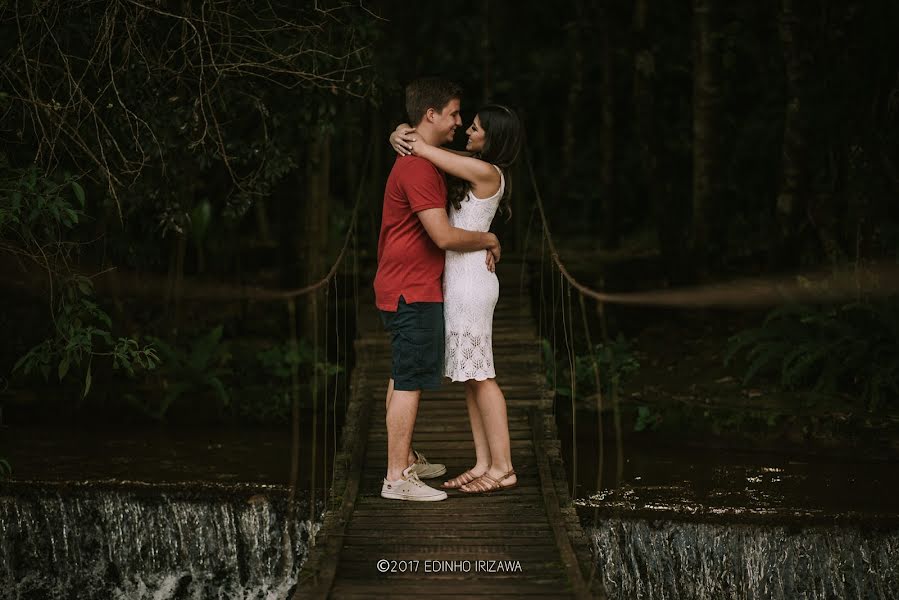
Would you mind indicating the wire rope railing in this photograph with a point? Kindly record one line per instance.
(291, 296)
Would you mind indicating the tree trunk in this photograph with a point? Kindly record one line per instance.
(644, 127)
(573, 103)
(315, 218)
(377, 177)
(792, 201)
(353, 157)
(178, 290)
(263, 229)
(705, 95)
(609, 227)
(485, 49)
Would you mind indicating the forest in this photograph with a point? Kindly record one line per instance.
(704, 234)
(169, 168)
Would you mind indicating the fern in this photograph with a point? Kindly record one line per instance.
(849, 349)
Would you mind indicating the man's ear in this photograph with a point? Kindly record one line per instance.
(430, 115)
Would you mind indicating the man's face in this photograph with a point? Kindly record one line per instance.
(447, 120)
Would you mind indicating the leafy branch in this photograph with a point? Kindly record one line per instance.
(36, 211)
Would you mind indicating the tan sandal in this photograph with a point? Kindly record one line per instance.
(486, 484)
(456, 482)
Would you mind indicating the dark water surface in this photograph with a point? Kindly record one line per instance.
(163, 454)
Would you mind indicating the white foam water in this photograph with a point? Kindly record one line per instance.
(102, 544)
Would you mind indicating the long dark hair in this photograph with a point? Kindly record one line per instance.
(502, 142)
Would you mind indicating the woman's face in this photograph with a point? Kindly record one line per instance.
(476, 136)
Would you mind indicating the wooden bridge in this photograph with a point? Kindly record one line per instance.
(522, 543)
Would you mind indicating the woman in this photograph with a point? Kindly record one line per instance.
(478, 188)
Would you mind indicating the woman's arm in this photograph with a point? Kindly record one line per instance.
(483, 177)
(401, 138)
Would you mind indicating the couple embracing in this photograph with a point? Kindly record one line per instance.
(436, 288)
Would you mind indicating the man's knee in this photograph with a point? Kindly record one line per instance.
(405, 399)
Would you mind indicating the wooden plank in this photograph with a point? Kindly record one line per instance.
(418, 589)
(510, 534)
(553, 511)
(526, 524)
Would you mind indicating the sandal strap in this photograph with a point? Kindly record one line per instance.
(494, 483)
(506, 476)
(468, 477)
(491, 485)
(484, 483)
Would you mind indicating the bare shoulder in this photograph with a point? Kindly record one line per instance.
(487, 181)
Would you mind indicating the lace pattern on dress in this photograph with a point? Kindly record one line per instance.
(470, 293)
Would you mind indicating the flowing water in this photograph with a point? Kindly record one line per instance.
(154, 513)
(149, 542)
(638, 558)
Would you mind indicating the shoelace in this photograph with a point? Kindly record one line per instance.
(420, 458)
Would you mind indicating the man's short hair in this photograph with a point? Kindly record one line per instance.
(429, 92)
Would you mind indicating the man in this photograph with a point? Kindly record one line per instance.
(415, 233)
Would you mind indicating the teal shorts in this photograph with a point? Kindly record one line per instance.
(417, 345)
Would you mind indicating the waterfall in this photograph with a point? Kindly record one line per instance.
(663, 560)
(149, 544)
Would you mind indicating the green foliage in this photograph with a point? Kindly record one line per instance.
(5, 469)
(36, 206)
(82, 332)
(277, 363)
(195, 369)
(35, 211)
(616, 361)
(849, 349)
(646, 419)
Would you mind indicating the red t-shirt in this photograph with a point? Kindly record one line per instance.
(409, 262)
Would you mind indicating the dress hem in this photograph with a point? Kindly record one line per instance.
(454, 380)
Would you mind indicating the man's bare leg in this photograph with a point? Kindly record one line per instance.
(402, 409)
(387, 408)
(389, 394)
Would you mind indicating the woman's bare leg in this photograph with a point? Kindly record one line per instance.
(492, 408)
(481, 447)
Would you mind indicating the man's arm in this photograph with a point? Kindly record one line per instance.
(447, 237)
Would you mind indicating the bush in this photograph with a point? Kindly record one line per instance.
(616, 361)
(850, 349)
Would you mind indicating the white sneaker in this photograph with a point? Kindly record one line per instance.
(410, 487)
(424, 469)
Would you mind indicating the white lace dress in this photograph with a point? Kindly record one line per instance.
(470, 293)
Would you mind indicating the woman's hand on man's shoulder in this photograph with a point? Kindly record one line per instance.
(401, 139)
